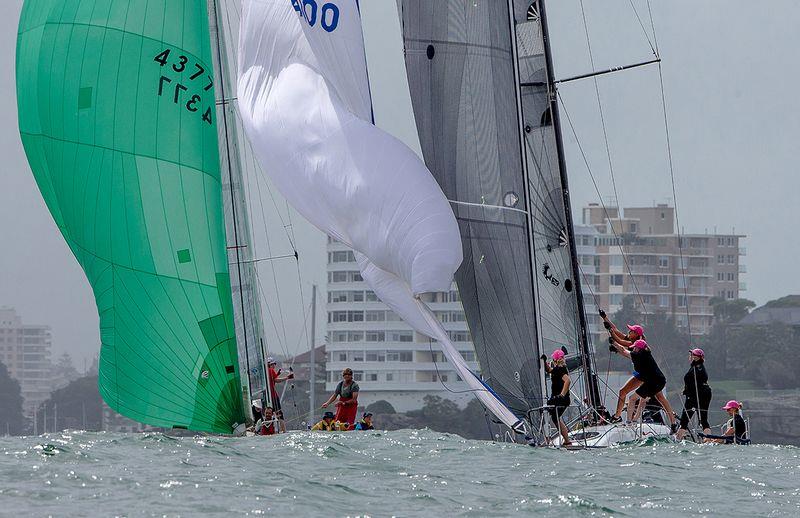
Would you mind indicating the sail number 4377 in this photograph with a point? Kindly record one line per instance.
(188, 96)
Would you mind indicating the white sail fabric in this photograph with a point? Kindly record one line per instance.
(304, 98)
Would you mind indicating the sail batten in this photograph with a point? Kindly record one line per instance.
(122, 142)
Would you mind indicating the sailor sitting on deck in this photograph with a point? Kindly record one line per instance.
(735, 429)
(328, 424)
(365, 423)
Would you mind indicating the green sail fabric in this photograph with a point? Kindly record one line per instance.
(117, 116)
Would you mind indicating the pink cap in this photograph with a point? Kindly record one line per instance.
(732, 404)
(637, 329)
(640, 344)
(558, 354)
(698, 352)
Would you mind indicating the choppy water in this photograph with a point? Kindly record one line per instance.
(405, 473)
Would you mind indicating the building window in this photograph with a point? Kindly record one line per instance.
(376, 316)
(358, 375)
(681, 301)
(663, 301)
(663, 281)
(663, 262)
(376, 356)
(720, 276)
(390, 376)
(355, 336)
(615, 299)
(720, 259)
(358, 296)
(376, 336)
(337, 316)
(468, 355)
(731, 259)
(615, 260)
(731, 276)
(355, 316)
(372, 376)
(401, 336)
(730, 295)
(616, 280)
(337, 276)
(357, 356)
(341, 356)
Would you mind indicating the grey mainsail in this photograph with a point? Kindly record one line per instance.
(478, 77)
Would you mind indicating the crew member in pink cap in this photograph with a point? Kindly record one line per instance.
(559, 392)
(652, 382)
(735, 429)
(697, 393)
(616, 340)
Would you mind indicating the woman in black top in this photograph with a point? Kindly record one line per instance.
(559, 392)
(697, 393)
(653, 382)
(736, 429)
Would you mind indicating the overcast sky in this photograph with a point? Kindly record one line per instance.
(730, 76)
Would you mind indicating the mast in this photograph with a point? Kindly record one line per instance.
(247, 311)
(313, 375)
(592, 387)
(526, 193)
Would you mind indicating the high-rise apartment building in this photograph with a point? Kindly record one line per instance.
(25, 350)
(638, 254)
(389, 359)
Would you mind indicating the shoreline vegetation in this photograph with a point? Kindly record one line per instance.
(756, 364)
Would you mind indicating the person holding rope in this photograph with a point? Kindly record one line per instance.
(275, 378)
(559, 393)
(697, 393)
(347, 392)
(652, 380)
(626, 341)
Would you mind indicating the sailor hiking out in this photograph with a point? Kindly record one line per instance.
(735, 431)
(652, 379)
(626, 340)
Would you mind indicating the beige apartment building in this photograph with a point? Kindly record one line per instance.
(638, 254)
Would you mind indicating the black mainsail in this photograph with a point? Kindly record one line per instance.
(481, 88)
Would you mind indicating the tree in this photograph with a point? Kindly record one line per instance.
(381, 407)
(789, 301)
(438, 414)
(63, 371)
(11, 418)
(76, 406)
(730, 310)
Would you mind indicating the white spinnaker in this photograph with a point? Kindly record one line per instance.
(304, 99)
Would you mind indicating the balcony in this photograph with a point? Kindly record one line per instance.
(742, 250)
(742, 268)
(742, 286)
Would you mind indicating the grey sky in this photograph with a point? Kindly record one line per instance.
(730, 75)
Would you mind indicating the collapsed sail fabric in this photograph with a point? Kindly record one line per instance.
(117, 116)
(304, 98)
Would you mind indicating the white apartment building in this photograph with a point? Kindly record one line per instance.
(390, 361)
(25, 350)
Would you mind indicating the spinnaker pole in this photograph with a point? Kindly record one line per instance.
(592, 387)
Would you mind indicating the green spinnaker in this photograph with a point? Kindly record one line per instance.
(117, 116)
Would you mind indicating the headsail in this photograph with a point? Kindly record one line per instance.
(304, 98)
(117, 116)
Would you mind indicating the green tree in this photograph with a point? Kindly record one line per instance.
(77, 406)
(789, 301)
(730, 310)
(438, 414)
(381, 407)
(11, 418)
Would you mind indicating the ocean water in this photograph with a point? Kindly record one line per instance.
(403, 473)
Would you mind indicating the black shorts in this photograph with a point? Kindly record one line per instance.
(651, 387)
(560, 404)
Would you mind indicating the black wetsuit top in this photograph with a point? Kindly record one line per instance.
(739, 427)
(646, 366)
(696, 372)
(557, 380)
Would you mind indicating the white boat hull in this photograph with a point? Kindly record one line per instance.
(603, 436)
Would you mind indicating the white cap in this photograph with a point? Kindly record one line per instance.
(257, 403)
(270, 360)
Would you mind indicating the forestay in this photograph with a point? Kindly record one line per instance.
(304, 99)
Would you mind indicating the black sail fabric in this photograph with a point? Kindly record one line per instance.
(460, 62)
(557, 282)
(460, 65)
